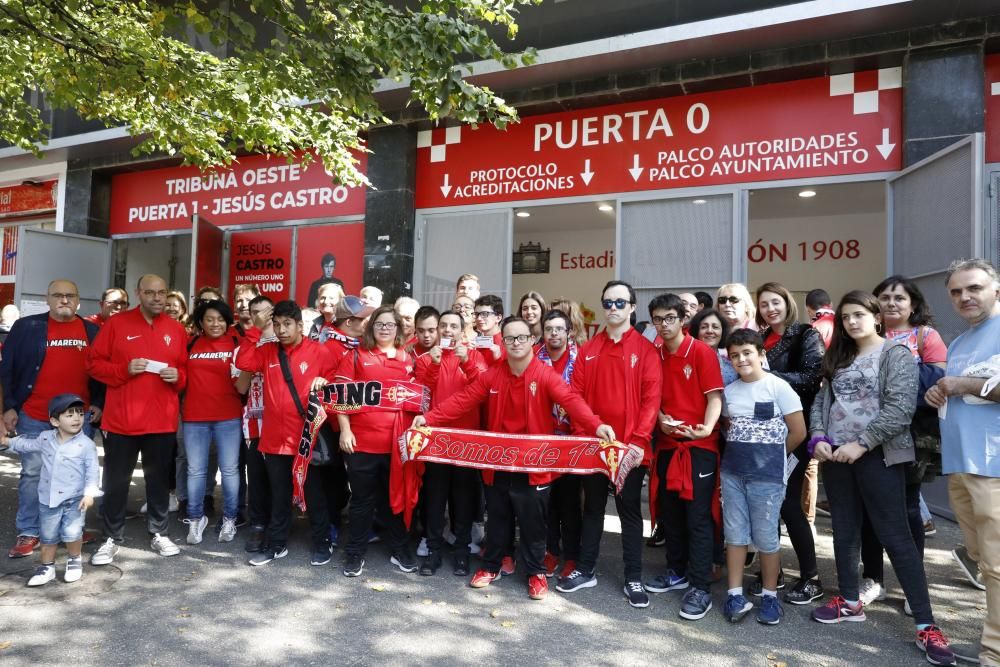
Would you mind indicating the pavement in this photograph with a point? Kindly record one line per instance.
(208, 607)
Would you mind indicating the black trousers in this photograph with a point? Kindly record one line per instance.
(795, 520)
(565, 517)
(629, 507)
(872, 563)
(869, 484)
(688, 525)
(258, 486)
(453, 487)
(369, 478)
(279, 477)
(512, 497)
(121, 453)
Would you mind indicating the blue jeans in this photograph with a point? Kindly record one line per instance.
(63, 522)
(750, 509)
(27, 522)
(198, 438)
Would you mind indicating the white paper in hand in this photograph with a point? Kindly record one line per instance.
(154, 366)
(790, 464)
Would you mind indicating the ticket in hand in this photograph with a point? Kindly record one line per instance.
(484, 342)
(446, 343)
(673, 422)
(154, 366)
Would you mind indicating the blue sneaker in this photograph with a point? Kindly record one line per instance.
(669, 581)
(736, 608)
(770, 611)
(695, 604)
(334, 534)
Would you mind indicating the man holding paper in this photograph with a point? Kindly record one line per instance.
(141, 356)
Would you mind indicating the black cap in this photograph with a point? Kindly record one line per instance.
(63, 402)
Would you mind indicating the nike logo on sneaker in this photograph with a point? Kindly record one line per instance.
(704, 476)
(133, 337)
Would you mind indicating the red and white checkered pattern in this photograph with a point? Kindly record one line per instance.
(425, 139)
(865, 90)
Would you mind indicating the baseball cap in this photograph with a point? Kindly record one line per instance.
(63, 402)
(353, 306)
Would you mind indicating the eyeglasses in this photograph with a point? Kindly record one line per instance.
(117, 304)
(483, 314)
(617, 303)
(64, 296)
(554, 330)
(510, 340)
(384, 326)
(668, 319)
(729, 299)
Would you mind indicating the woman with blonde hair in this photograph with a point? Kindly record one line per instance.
(576, 321)
(176, 308)
(737, 306)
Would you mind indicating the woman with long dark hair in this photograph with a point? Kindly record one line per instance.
(908, 320)
(794, 354)
(860, 426)
(532, 310)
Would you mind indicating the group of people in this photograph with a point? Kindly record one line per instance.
(736, 405)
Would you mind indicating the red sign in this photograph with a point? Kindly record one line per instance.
(259, 188)
(28, 199)
(345, 244)
(264, 258)
(993, 108)
(843, 124)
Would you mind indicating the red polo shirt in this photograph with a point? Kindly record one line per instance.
(689, 374)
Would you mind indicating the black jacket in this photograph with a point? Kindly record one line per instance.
(798, 360)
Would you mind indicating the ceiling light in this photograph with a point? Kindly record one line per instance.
(806, 194)
(607, 208)
(523, 214)
(700, 201)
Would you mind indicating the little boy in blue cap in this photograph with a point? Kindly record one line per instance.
(69, 481)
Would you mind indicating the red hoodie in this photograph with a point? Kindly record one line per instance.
(542, 387)
(307, 361)
(142, 403)
(450, 377)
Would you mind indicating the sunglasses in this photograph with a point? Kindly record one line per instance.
(729, 299)
(617, 303)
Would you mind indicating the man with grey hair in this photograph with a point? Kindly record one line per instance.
(968, 402)
(406, 307)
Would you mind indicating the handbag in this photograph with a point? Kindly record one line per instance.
(321, 450)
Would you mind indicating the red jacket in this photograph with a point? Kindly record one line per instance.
(641, 388)
(450, 377)
(143, 403)
(307, 361)
(490, 387)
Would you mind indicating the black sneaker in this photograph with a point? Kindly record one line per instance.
(255, 543)
(658, 538)
(636, 594)
(354, 565)
(430, 565)
(461, 568)
(757, 587)
(576, 580)
(804, 591)
(404, 561)
(265, 557)
(321, 555)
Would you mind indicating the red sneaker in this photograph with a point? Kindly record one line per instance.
(507, 566)
(568, 567)
(935, 645)
(483, 578)
(23, 547)
(551, 564)
(538, 587)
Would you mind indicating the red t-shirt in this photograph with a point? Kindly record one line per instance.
(771, 340)
(211, 395)
(609, 373)
(514, 411)
(64, 369)
(559, 365)
(689, 374)
(373, 430)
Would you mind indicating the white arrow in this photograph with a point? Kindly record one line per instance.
(586, 174)
(885, 148)
(636, 170)
(445, 189)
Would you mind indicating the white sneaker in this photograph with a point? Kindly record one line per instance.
(422, 549)
(871, 591)
(195, 529)
(105, 555)
(172, 507)
(228, 531)
(163, 545)
(43, 575)
(74, 569)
